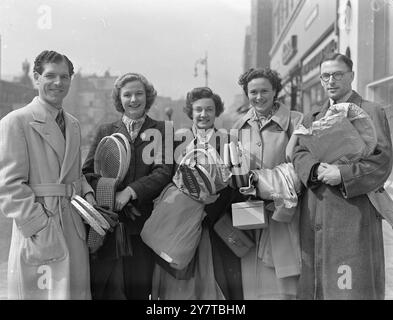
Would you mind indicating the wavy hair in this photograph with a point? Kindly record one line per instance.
(151, 93)
(47, 56)
(267, 73)
(203, 93)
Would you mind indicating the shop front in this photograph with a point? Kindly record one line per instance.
(312, 90)
(297, 51)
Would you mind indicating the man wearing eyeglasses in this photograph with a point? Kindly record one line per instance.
(340, 230)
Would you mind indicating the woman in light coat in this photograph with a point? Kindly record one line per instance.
(272, 268)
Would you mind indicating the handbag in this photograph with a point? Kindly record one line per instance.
(249, 215)
(238, 241)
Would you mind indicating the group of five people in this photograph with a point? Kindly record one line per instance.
(335, 224)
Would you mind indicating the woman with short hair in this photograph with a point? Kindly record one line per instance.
(128, 275)
(214, 273)
(271, 270)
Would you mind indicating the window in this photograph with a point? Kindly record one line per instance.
(383, 44)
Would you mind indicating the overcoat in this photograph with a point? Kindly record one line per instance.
(48, 255)
(341, 232)
(129, 277)
(271, 269)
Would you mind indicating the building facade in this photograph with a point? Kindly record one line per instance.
(14, 95)
(306, 30)
(366, 34)
(303, 31)
(261, 32)
(17, 93)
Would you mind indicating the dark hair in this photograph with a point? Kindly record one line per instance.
(202, 93)
(338, 57)
(151, 93)
(51, 57)
(267, 73)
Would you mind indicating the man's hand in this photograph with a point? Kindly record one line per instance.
(89, 197)
(329, 174)
(122, 198)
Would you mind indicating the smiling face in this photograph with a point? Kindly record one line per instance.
(133, 99)
(336, 89)
(261, 94)
(204, 113)
(54, 82)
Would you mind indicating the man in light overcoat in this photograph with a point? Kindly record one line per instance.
(40, 170)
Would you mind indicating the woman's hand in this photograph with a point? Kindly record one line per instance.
(122, 198)
(89, 197)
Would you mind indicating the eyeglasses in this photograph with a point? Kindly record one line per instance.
(336, 76)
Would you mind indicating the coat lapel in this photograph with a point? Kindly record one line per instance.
(119, 127)
(148, 124)
(355, 98)
(249, 119)
(48, 129)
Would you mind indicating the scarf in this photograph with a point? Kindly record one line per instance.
(133, 126)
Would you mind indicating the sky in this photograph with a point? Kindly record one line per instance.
(162, 39)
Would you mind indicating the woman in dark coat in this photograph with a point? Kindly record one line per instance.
(202, 107)
(128, 275)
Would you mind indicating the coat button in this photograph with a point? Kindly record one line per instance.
(259, 143)
(318, 227)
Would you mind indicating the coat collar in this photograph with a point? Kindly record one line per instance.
(282, 117)
(44, 123)
(318, 111)
(355, 98)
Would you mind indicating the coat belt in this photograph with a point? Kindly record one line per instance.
(67, 190)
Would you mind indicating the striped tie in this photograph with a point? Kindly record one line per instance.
(60, 122)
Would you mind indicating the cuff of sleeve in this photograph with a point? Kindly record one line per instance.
(33, 226)
(86, 188)
(282, 214)
(313, 178)
(134, 196)
(345, 171)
